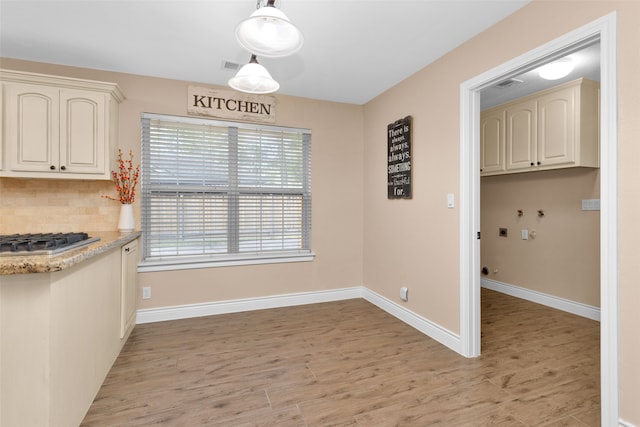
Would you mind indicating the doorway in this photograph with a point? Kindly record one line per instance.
(525, 217)
(603, 31)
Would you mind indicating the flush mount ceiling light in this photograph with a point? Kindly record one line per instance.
(254, 78)
(557, 69)
(269, 33)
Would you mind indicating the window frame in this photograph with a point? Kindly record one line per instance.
(155, 262)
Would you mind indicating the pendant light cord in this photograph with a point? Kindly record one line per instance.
(270, 3)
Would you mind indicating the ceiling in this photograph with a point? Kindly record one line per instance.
(354, 49)
(585, 59)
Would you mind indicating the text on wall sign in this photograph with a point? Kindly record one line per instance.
(399, 159)
(231, 105)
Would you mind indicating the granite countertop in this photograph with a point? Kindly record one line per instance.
(21, 264)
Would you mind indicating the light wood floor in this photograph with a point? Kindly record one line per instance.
(350, 364)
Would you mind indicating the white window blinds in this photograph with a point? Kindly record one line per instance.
(218, 191)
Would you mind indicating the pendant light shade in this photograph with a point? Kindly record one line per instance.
(269, 33)
(254, 78)
(557, 69)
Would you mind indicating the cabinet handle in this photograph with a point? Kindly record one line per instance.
(127, 249)
(538, 163)
(531, 163)
(63, 168)
(52, 167)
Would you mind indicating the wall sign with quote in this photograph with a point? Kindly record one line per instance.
(399, 159)
(232, 105)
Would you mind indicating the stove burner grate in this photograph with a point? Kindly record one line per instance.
(42, 242)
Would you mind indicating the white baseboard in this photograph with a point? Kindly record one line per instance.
(578, 308)
(623, 423)
(235, 306)
(418, 322)
(423, 325)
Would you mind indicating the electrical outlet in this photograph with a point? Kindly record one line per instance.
(146, 292)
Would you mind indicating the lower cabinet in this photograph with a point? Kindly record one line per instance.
(60, 334)
(128, 287)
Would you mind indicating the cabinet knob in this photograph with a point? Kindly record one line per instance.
(127, 249)
(531, 163)
(52, 167)
(538, 163)
(63, 168)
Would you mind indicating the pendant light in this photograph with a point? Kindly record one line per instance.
(557, 69)
(269, 33)
(254, 78)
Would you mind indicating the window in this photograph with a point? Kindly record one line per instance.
(220, 193)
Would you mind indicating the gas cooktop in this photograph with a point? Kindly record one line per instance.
(43, 243)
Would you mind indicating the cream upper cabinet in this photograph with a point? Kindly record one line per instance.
(521, 135)
(557, 126)
(31, 127)
(492, 131)
(58, 128)
(83, 137)
(552, 129)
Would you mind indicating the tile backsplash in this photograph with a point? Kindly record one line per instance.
(52, 205)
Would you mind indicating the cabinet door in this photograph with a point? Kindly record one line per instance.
(31, 127)
(521, 135)
(492, 145)
(556, 127)
(129, 287)
(82, 132)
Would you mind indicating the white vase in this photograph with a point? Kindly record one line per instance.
(127, 223)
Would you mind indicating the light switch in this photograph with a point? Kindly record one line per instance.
(451, 201)
(525, 234)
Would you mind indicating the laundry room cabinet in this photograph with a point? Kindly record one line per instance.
(553, 129)
(56, 127)
(521, 131)
(492, 152)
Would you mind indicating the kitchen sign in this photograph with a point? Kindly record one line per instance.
(231, 105)
(399, 159)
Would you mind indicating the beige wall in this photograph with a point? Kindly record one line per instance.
(336, 181)
(563, 259)
(416, 243)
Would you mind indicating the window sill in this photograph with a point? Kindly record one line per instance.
(189, 263)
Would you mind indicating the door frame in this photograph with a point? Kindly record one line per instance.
(603, 30)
